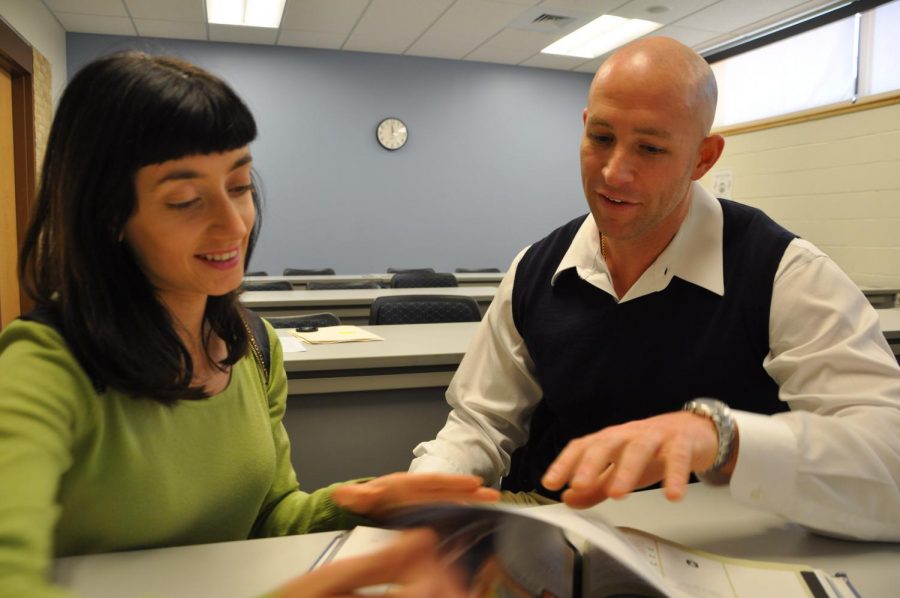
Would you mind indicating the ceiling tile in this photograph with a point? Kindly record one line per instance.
(686, 35)
(476, 19)
(675, 9)
(598, 7)
(394, 24)
(170, 29)
(442, 46)
(530, 42)
(337, 16)
(591, 66)
(501, 55)
(104, 25)
(553, 61)
(110, 8)
(311, 39)
(242, 35)
(167, 10)
(731, 15)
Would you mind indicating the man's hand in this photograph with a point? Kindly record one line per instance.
(617, 460)
(378, 496)
(411, 564)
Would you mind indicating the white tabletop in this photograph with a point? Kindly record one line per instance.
(890, 322)
(404, 345)
(707, 519)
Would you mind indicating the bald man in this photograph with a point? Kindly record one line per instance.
(669, 332)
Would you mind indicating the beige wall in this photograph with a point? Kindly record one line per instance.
(834, 181)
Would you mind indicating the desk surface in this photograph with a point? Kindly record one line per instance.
(353, 297)
(707, 519)
(404, 345)
(890, 322)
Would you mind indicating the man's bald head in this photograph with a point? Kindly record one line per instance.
(663, 66)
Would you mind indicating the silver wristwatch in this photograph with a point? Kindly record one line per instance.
(721, 417)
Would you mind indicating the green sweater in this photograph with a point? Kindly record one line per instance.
(82, 472)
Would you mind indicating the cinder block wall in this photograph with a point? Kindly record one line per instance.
(834, 181)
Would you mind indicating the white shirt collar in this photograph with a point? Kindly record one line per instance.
(694, 254)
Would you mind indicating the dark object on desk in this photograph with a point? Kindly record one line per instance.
(306, 272)
(267, 285)
(256, 273)
(398, 270)
(413, 280)
(320, 320)
(307, 328)
(475, 270)
(321, 285)
(423, 309)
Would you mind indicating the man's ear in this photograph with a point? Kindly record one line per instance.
(710, 150)
(584, 116)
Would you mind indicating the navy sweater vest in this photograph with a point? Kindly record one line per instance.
(602, 363)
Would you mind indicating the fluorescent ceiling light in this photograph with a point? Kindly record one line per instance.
(600, 36)
(248, 13)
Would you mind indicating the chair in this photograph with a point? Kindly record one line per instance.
(475, 270)
(413, 280)
(323, 285)
(398, 270)
(320, 320)
(423, 309)
(303, 272)
(267, 285)
(256, 273)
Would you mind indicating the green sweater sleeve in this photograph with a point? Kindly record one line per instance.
(43, 406)
(289, 510)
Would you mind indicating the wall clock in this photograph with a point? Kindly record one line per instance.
(392, 133)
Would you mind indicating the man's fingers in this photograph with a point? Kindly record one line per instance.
(560, 471)
(389, 564)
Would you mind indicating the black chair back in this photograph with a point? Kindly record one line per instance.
(319, 320)
(423, 309)
(267, 285)
(398, 270)
(417, 280)
(475, 270)
(323, 285)
(256, 273)
(307, 272)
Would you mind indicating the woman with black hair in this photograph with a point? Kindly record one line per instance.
(138, 406)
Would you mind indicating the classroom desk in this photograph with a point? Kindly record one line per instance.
(358, 409)
(881, 298)
(351, 306)
(707, 519)
(465, 279)
(890, 326)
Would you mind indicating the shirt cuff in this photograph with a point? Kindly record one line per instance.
(433, 464)
(765, 474)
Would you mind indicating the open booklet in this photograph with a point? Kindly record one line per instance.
(546, 552)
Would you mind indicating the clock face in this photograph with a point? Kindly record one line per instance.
(391, 133)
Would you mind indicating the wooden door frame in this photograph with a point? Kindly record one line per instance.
(17, 58)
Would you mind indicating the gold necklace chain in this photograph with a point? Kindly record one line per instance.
(603, 247)
(257, 352)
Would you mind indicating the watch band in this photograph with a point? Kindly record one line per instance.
(721, 417)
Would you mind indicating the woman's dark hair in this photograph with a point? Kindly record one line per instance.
(118, 114)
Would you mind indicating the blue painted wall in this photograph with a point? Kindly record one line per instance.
(491, 164)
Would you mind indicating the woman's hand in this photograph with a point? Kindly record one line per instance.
(378, 496)
(411, 564)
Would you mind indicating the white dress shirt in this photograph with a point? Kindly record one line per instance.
(831, 463)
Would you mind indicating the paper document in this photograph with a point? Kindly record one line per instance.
(336, 334)
(290, 344)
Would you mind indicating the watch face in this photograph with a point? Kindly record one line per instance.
(391, 133)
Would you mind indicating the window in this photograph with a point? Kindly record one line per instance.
(811, 69)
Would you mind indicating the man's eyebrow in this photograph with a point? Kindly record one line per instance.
(181, 175)
(651, 131)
